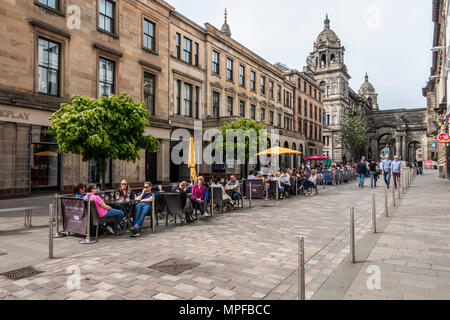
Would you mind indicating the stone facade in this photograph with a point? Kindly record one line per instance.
(436, 90)
(183, 86)
(404, 129)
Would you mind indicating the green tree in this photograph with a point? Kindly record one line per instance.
(238, 144)
(100, 129)
(354, 127)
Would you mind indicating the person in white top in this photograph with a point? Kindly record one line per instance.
(311, 182)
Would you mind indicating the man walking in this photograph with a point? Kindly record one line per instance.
(386, 167)
(420, 168)
(396, 171)
(362, 171)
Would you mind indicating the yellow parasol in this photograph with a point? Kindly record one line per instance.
(191, 163)
(277, 151)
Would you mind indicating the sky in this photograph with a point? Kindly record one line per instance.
(388, 39)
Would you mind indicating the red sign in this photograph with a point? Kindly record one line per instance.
(443, 138)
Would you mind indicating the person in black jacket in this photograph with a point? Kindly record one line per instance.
(361, 169)
(373, 169)
(184, 202)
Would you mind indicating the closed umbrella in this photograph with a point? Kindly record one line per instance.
(191, 164)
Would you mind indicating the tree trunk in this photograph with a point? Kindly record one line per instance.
(102, 163)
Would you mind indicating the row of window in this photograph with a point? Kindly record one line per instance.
(191, 106)
(242, 80)
(314, 111)
(106, 21)
(187, 50)
(316, 94)
(314, 131)
(49, 57)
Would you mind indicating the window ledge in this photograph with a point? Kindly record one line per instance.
(150, 51)
(113, 35)
(50, 9)
(187, 63)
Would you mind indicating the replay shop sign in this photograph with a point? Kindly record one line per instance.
(5, 113)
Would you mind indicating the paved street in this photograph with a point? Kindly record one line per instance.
(249, 254)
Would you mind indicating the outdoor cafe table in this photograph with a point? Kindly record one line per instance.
(128, 218)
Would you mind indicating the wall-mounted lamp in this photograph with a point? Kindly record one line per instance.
(435, 49)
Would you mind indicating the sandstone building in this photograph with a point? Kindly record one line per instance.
(435, 91)
(183, 72)
(399, 132)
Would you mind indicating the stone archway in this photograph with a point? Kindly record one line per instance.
(412, 148)
(386, 145)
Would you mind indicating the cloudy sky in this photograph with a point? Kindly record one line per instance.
(389, 39)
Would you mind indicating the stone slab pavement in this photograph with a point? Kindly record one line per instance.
(413, 253)
(248, 254)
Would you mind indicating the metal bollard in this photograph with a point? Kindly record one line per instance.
(296, 185)
(393, 196)
(154, 215)
(212, 202)
(277, 192)
(374, 214)
(88, 239)
(386, 202)
(301, 268)
(57, 233)
(398, 189)
(251, 195)
(28, 215)
(352, 233)
(50, 232)
(267, 191)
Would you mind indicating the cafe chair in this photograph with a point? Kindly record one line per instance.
(218, 200)
(174, 206)
(97, 221)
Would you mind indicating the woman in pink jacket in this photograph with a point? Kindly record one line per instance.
(198, 196)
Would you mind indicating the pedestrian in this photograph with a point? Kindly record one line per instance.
(420, 168)
(361, 169)
(386, 168)
(373, 170)
(396, 171)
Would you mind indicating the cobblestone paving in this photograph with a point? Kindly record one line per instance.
(413, 253)
(249, 254)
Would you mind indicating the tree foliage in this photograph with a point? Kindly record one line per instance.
(106, 128)
(245, 125)
(354, 131)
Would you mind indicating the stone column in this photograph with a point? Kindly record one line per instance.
(397, 145)
(404, 149)
(163, 171)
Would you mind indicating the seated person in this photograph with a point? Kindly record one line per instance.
(124, 190)
(234, 185)
(251, 175)
(143, 209)
(185, 202)
(277, 178)
(311, 182)
(198, 196)
(217, 184)
(78, 190)
(285, 180)
(103, 209)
